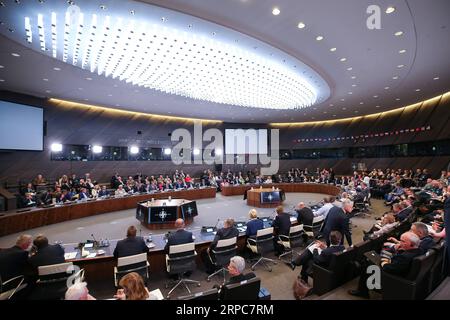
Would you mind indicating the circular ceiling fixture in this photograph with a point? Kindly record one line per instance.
(165, 56)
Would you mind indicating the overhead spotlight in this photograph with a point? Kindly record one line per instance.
(436, 78)
(134, 150)
(390, 10)
(276, 11)
(333, 49)
(343, 59)
(319, 38)
(97, 149)
(398, 33)
(56, 147)
(301, 25)
(402, 51)
(167, 151)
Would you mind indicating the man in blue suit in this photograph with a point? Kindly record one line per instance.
(180, 236)
(254, 224)
(338, 220)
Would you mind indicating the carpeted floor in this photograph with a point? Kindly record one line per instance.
(278, 282)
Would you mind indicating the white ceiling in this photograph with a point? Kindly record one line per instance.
(373, 56)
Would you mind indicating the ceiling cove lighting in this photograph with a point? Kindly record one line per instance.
(167, 56)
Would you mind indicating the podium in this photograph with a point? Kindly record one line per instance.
(162, 213)
(265, 197)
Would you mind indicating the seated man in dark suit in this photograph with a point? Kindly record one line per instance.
(46, 254)
(227, 232)
(426, 240)
(399, 264)
(83, 195)
(28, 201)
(254, 224)
(323, 259)
(131, 245)
(236, 269)
(180, 236)
(305, 214)
(281, 226)
(14, 260)
(103, 192)
(338, 220)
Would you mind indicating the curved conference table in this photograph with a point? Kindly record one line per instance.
(100, 268)
(14, 221)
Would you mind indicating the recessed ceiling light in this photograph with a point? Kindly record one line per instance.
(89, 79)
(343, 59)
(2, 80)
(344, 108)
(402, 51)
(395, 77)
(386, 88)
(377, 106)
(349, 68)
(390, 10)
(417, 90)
(375, 97)
(398, 33)
(80, 89)
(361, 102)
(132, 12)
(56, 69)
(354, 85)
(45, 79)
(333, 49)
(318, 38)
(436, 78)
(350, 92)
(15, 54)
(400, 66)
(342, 99)
(163, 19)
(276, 11)
(109, 95)
(353, 77)
(397, 99)
(48, 91)
(301, 25)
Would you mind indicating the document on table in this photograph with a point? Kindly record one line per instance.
(314, 246)
(70, 255)
(158, 294)
(91, 255)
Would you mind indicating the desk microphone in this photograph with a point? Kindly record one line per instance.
(95, 240)
(215, 227)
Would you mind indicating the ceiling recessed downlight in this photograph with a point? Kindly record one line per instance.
(301, 25)
(343, 59)
(402, 51)
(398, 33)
(390, 10)
(15, 54)
(276, 11)
(319, 38)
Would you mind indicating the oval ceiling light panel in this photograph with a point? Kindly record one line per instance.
(164, 54)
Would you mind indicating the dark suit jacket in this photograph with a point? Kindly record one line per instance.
(401, 262)
(426, 243)
(324, 258)
(253, 226)
(12, 262)
(224, 233)
(51, 254)
(402, 215)
(180, 236)
(240, 277)
(129, 247)
(337, 220)
(282, 224)
(305, 216)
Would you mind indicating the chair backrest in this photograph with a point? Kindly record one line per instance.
(361, 248)
(131, 260)
(55, 271)
(212, 294)
(224, 251)
(318, 220)
(181, 258)
(264, 240)
(226, 242)
(296, 236)
(264, 232)
(421, 266)
(245, 290)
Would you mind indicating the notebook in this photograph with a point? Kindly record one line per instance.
(70, 255)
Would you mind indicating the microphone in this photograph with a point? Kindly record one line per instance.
(215, 227)
(95, 240)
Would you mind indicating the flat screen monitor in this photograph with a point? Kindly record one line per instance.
(21, 127)
(162, 214)
(189, 210)
(270, 197)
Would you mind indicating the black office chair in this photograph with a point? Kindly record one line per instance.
(136, 263)
(415, 286)
(223, 252)
(437, 272)
(212, 294)
(261, 245)
(181, 259)
(245, 290)
(313, 230)
(292, 241)
(53, 281)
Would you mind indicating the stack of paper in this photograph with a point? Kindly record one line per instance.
(70, 255)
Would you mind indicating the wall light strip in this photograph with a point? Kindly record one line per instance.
(67, 103)
(373, 115)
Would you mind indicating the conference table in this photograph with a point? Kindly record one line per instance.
(14, 221)
(235, 190)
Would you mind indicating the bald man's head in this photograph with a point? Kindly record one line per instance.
(301, 205)
(179, 223)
